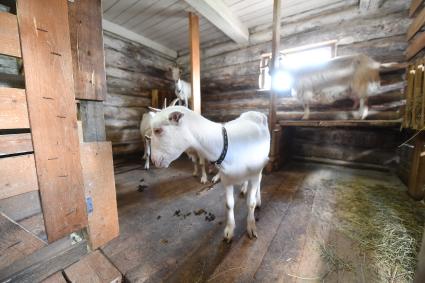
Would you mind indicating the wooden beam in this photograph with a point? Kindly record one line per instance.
(15, 143)
(88, 58)
(416, 45)
(195, 62)
(46, 52)
(155, 98)
(417, 170)
(416, 24)
(9, 34)
(414, 5)
(13, 109)
(219, 14)
(342, 123)
(99, 185)
(128, 34)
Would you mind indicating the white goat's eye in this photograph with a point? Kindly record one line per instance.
(157, 131)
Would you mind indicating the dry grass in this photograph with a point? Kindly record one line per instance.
(384, 221)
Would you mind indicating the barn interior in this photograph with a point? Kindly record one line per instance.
(342, 194)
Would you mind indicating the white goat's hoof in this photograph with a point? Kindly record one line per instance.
(228, 233)
(252, 230)
(244, 189)
(146, 167)
(194, 174)
(204, 180)
(215, 179)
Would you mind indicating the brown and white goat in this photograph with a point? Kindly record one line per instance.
(353, 76)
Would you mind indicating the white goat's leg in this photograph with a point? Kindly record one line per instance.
(230, 226)
(306, 110)
(204, 177)
(251, 203)
(363, 109)
(147, 153)
(244, 187)
(195, 168)
(186, 101)
(216, 178)
(258, 194)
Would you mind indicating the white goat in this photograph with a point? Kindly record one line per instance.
(183, 89)
(353, 76)
(176, 129)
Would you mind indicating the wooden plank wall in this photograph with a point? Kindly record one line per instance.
(412, 163)
(132, 72)
(230, 73)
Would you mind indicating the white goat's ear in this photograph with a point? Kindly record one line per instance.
(175, 117)
(148, 137)
(154, 109)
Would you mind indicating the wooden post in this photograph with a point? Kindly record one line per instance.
(417, 171)
(274, 152)
(155, 98)
(420, 269)
(195, 64)
(274, 61)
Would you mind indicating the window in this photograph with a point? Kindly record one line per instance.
(292, 59)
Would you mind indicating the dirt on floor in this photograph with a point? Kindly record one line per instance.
(309, 227)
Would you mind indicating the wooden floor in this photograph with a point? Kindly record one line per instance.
(163, 240)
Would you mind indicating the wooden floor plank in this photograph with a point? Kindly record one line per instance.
(94, 267)
(162, 240)
(15, 242)
(55, 278)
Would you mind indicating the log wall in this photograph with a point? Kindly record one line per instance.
(132, 72)
(230, 73)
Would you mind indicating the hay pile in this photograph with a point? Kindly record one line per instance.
(384, 221)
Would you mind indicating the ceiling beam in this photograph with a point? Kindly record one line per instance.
(128, 34)
(219, 14)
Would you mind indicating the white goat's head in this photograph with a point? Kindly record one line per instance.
(170, 135)
(175, 73)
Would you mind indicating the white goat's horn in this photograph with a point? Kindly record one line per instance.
(165, 103)
(173, 103)
(154, 109)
